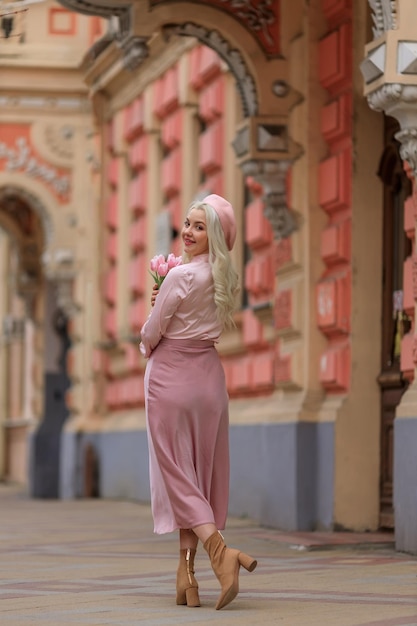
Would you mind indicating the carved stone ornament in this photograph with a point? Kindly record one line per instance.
(272, 176)
(103, 9)
(383, 97)
(64, 297)
(408, 148)
(384, 16)
(20, 158)
(59, 269)
(135, 51)
(233, 58)
(400, 101)
(60, 140)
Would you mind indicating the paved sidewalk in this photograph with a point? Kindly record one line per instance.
(97, 562)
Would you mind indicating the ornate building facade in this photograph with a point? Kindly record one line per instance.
(303, 115)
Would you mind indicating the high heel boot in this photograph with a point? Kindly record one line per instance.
(187, 586)
(226, 563)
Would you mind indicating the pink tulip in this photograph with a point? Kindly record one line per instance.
(163, 269)
(160, 266)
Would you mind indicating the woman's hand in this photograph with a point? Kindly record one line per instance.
(155, 291)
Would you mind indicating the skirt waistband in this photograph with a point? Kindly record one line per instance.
(190, 344)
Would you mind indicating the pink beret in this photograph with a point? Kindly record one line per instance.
(226, 216)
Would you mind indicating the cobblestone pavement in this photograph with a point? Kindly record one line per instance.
(96, 562)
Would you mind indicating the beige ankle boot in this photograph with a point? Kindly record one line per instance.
(187, 586)
(226, 563)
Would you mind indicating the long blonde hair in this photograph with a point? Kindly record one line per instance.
(225, 277)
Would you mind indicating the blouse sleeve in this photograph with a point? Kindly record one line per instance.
(171, 293)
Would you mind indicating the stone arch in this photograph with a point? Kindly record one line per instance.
(263, 145)
(11, 192)
(26, 221)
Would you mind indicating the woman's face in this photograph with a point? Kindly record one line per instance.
(194, 233)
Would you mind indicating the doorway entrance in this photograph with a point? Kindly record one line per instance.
(395, 323)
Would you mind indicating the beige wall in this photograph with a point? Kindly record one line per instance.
(357, 445)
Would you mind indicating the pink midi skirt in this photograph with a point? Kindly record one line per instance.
(188, 435)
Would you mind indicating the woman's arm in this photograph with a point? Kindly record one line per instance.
(173, 290)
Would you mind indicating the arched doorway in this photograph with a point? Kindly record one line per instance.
(395, 322)
(34, 342)
(21, 243)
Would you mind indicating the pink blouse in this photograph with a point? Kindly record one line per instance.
(184, 307)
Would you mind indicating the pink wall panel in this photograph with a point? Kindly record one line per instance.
(336, 11)
(133, 357)
(137, 274)
(259, 276)
(252, 329)
(171, 173)
(195, 78)
(335, 174)
(111, 211)
(109, 139)
(110, 323)
(258, 229)
(335, 59)
(336, 118)
(138, 234)
(241, 374)
(333, 305)
(409, 217)
(176, 210)
(263, 370)
(205, 65)
(335, 195)
(335, 368)
(211, 147)
(214, 181)
(111, 247)
(112, 394)
(282, 369)
(283, 310)
(100, 361)
(171, 129)
(211, 103)
(336, 242)
(210, 64)
(139, 153)
(113, 172)
(407, 358)
(282, 252)
(408, 280)
(134, 118)
(166, 93)
(110, 286)
(137, 194)
(137, 315)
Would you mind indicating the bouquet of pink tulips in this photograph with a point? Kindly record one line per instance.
(160, 266)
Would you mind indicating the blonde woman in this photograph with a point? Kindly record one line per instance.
(187, 401)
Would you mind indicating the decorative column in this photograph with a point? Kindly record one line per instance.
(390, 73)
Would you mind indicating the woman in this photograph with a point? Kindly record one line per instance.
(187, 401)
